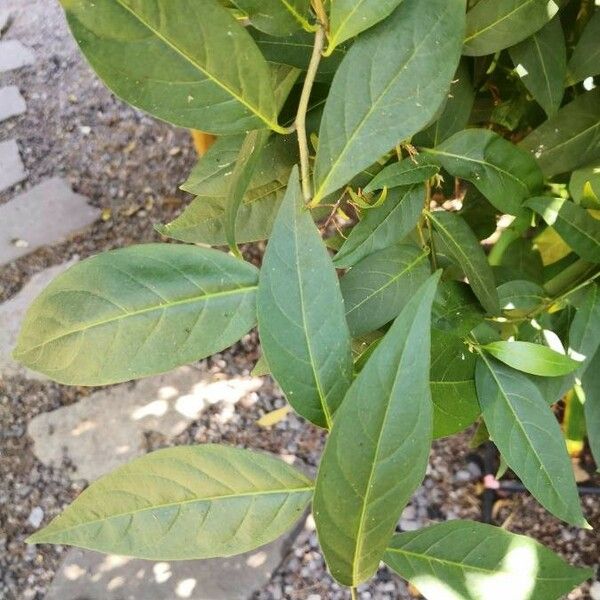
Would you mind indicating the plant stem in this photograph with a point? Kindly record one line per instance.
(303, 109)
(353, 593)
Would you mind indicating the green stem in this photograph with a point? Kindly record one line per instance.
(353, 593)
(571, 275)
(303, 109)
(512, 233)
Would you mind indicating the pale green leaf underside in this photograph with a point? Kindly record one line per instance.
(358, 128)
(529, 438)
(465, 560)
(301, 320)
(377, 451)
(137, 311)
(188, 63)
(185, 503)
(493, 25)
(532, 358)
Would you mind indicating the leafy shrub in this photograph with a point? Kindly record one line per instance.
(417, 127)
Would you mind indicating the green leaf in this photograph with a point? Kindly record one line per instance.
(574, 224)
(203, 221)
(295, 50)
(411, 170)
(358, 127)
(570, 138)
(301, 321)
(520, 297)
(348, 18)
(501, 171)
(590, 388)
(493, 25)
(184, 503)
(465, 560)
(456, 308)
(240, 180)
(376, 454)
(378, 287)
(384, 226)
(532, 358)
(522, 260)
(137, 311)
(541, 62)
(191, 65)
(464, 248)
(212, 174)
(452, 378)
(584, 333)
(585, 60)
(478, 213)
(526, 432)
(585, 186)
(276, 17)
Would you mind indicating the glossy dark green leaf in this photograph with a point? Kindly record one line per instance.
(532, 358)
(584, 333)
(521, 260)
(203, 221)
(569, 139)
(478, 213)
(384, 226)
(493, 25)
(574, 224)
(276, 17)
(456, 111)
(191, 65)
(528, 436)
(501, 171)
(378, 287)
(463, 246)
(409, 171)
(348, 18)
(301, 320)
(590, 386)
(184, 503)
(357, 128)
(137, 311)
(452, 378)
(376, 454)
(520, 297)
(541, 62)
(241, 176)
(456, 308)
(465, 560)
(585, 60)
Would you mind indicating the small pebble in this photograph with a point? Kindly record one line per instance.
(595, 590)
(36, 516)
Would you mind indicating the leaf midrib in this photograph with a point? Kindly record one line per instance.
(145, 310)
(373, 106)
(463, 566)
(283, 491)
(255, 110)
(495, 23)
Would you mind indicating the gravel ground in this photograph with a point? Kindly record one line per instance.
(130, 166)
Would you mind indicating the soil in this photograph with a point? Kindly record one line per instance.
(130, 165)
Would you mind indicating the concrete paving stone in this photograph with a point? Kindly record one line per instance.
(11, 317)
(105, 430)
(12, 103)
(14, 55)
(86, 575)
(12, 169)
(45, 214)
